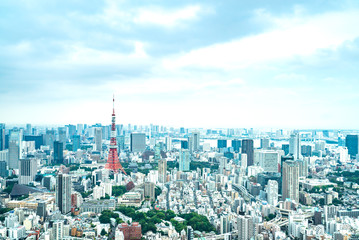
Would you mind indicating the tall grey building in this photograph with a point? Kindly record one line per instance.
(14, 155)
(184, 160)
(162, 170)
(247, 148)
(98, 139)
(149, 190)
(290, 180)
(58, 152)
(138, 142)
(63, 193)
(193, 142)
(245, 227)
(49, 138)
(62, 136)
(295, 146)
(28, 170)
(264, 143)
(2, 136)
(272, 192)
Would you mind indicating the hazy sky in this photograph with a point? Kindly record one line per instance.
(208, 63)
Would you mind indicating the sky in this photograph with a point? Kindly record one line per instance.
(210, 63)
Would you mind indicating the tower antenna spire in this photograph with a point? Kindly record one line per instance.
(113, 103)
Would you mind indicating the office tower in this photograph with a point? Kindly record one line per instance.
(285, 148)
(15, 151)
(58, 152)
(113, 162)
(224, 223)
(98, 139)
(62, 136)
(269, 160)
(39, 140)
(236, 145)
(28, 170)
(190, 233)
(272, 192)
(303, 167)
(162, 170)
(295, 146)
(58, 230)
(330, 212)
(63, 193)
(194, 142)
(184, 160)
(76, 141)
(244, 160)
(138, 142)
(48, 182)
(28, 130)
(351, 142)
(290, 180)
(41, 210)
(3, 169)
(121, 142)
(264, 143)
(306, 150)
(80, 129)
(2, 136)
(221, 143)
(168, 144)
(149, 191)
(247, 148)
(245, 227)
(49, 138)
(184, 144)
(71, 130)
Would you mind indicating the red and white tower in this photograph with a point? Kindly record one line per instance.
(113, 163)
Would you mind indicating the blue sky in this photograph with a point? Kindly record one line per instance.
(267, 64)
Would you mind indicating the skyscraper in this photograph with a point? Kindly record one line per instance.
(184, 144)
(245, 227)
(272, 192)
(184, 160)
(295, 146)
(62, 136)
(168, 144)
(63, 193)
(28, 170)
(138, 142)
(221, 143)
(264, 143)
(15, 152)
(194, 141)
(76, 141)
(290, 180)
(28, 129)
(58, 152)
(98, 139)
(352, 143)
(49, 138)
(247, 148)
(2, 136)
(162, 170)
(113, 162)
(236, 145)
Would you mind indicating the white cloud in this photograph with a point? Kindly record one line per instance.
(166, 17)
(290, 38)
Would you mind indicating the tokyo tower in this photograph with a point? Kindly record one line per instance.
(113, 163)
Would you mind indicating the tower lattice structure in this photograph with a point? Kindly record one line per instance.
(113, 162)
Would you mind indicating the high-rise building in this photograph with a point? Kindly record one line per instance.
(98, 139)
(41, 210)
(76, 142)
(49, 138)
(247, 148)
(80, 128)
(39, 140)
(3, 169)
(272, 192)
(221, 143)
(245, 227)
(285, 148)
(194, 141)
(121, 142)
(15, 151)
(28, 129)
(63, 193)
(295, 146)
(236, 145)
(58, 152)
(224, 223)
(71, 130)
(58, 230)
(290, 180)
(352, 143)
(2, 136)
(264, 143)
(62, 136)
(190, 233)
(184, 160)
(269, 160)
(138, 142)
(162, 170)
(168, 144)
(149, 190)
(184, 144)
(28, 170)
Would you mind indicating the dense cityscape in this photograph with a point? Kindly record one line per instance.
(158, 182)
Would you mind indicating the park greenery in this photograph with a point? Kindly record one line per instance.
(149, 220)
(349, 176)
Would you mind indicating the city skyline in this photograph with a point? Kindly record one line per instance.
(204, 64)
